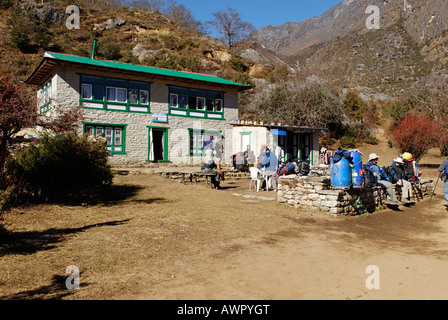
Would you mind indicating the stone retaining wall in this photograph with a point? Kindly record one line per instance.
(316, 193)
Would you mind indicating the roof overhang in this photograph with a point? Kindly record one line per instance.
(51, 61)
(293, 129)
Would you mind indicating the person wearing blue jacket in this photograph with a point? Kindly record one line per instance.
(374, 169)
(270, 161)
(443, 169)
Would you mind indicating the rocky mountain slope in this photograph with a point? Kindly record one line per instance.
(130, 36)
(337, 46)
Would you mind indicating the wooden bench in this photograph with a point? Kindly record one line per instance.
(195, 175)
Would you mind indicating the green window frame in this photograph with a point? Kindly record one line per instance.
(114, 94)
(45, 98)
(195, 103)
(115, 135)
(196, 141)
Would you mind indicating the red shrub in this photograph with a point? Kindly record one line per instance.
(417, 134)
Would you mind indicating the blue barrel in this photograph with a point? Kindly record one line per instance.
(341, 174)
(357, 170)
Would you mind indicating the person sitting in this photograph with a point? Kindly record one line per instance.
(214, 167)
(374, 170)
(270, 161)
(398, 177)
(240, 162)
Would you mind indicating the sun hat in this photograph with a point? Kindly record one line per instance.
(373, 156)
(399, 160)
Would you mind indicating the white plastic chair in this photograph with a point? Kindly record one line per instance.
(255, 175)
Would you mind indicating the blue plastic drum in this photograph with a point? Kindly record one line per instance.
(341, 174)
(357, 170)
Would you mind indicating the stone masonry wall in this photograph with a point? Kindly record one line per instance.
(67, 93)
(315, 193)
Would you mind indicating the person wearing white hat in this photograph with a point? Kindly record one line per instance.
(374, 170)
(398, 177)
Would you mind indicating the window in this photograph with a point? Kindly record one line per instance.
(114, 134)
(174, 100)
(114, 94)
(198, 139)
(87, 91)
(44, 98)
(200, 103)
(196, 103)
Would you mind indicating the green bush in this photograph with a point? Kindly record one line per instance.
(237, 65)
(190, 63)
(348, 142)
(26, 32)
(169, 63)
(109, 50)
(371, 140)
(60, 168)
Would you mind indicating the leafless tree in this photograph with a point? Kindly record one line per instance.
(182, 17)
(148, 5)
(231, 27)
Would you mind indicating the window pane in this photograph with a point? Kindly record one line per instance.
(86, 91)
(90, 130)
(139, 85)
(194, 92)
(178, 90)
(91, 79)
(173, 100)
(200, 103)
(133, 96)
(111, 94)
(118, 139)
(219, 105)
(210, 105)
(98, 92)
(121, 95)
(183, 103)
(99, 130)
(116, 82)
(144, 96)
(109, 134)
(192, 102)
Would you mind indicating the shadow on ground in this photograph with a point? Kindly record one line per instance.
(33, 241)
(54, 291)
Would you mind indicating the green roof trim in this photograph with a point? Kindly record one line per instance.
(143, 69)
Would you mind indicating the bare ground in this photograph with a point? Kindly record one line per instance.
(154, 239)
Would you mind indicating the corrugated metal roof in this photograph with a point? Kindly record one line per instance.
(42, 69)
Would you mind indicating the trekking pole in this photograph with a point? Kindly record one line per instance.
(433, 190)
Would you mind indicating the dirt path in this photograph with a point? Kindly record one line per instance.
(317, 257)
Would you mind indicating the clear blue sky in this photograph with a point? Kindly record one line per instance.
(261, 12)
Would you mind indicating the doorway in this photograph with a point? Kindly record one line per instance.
(158, 145)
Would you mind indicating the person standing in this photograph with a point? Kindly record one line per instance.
(270, 161)
(398, 177)
(443, 169)
(219, 148)
(374, 169)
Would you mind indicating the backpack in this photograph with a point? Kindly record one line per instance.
(304, 167)
(410, 170)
